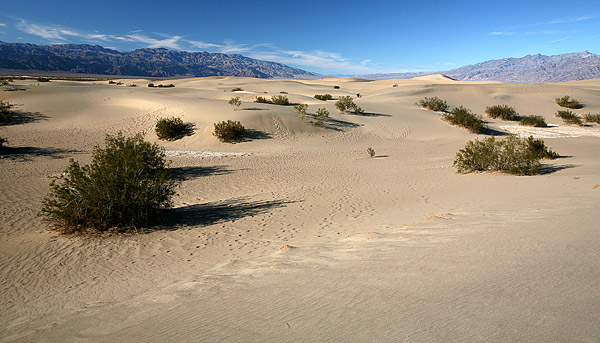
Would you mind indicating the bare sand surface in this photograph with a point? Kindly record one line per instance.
(296, 234)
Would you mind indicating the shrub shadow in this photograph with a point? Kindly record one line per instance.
(25, 118)
(493, 132)
(219, 211)
(369, 114)
(192, 172)
(254, 109)
(549, 168)
(339, 125)
(251, 134)
(14, 89)
(27, 153)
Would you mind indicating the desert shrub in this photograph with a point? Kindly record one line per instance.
(262, 100)
(591, 118)
(345, 103)
(533, 120)
(2, 142)
(505, 112)
(151, 85)
(301, 109)
(283, 92)
(538, 148)
(165, 86)
(512, 155)
(321, 116)
(43, 79)
(336, 87)
(119, 83)
(6, 114)
(170, 128)
(127, 185)
(434, 104)
(371, 152)
(358, 95)
(280, 100)
(463, 117)
(111, 82)
(569, 117)
(4, 82)
(235, 102)
(237, 89)
(567, 102)
(132, 85)
(323, 97)
(359, 110)
(395, 85)
(228, 131)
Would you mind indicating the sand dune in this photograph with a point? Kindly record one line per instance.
(296, 234)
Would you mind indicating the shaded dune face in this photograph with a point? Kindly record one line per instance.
(295, 231)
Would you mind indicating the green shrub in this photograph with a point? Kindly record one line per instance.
(345, 104)
(228, 131)
(463, 117)
(166, 86)
(6, 114)
(262, 100)
(434, 104)
(336, 87)
(359, 110)
(280, 100)
(4, 82)
(301, 109)
(323, 97)
(235, 102)
(569, 117)
(170, 128)
(151, 85)
(513, 155)
(505, 112)
(371, 152)
(538, 148)
(592, 118)
(127, 185)
(111, 82)
(321, 116)
(533, 120)
(237, 89)
(283, 92)
(43, 79)
(395, 85)
(132, 85)
(567, 102)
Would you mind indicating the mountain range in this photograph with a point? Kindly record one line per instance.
(94, 59)
(97, 60)
(529, 69)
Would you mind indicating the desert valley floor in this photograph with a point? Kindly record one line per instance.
(296, 233)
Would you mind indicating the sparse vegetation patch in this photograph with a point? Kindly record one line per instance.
(371, 152)
(237, 89)
(463, 117)
(592, 118)
(567, 102)
(301, 109)
(235, 102)
(322, 115)
(533, 120)
(434, 104)
(280, 100)
(127, 185)
(262, 100)
(503, 112)
(323, 97)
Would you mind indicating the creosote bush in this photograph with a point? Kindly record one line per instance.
(569, 117)
(283, 92)
(228, 131)
(127, 185)
(323, 97)
(463, 117)
(43, 79)
(170, 128)
(533, 120)
(592, 118)
(321, 116)
(235, 102)
(151, 85)
(514, 155)
(165, 86)
(504, 112)
(371, 152)
(6, 114)
(301, 109)
(336, 87)
(345, 104)
(262, 100)
(280, 100)
(434, 104)
(237, 89)
(567, 102)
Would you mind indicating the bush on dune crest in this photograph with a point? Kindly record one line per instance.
(127, 185)
(463, 117)
(514, 155)
(434, 104)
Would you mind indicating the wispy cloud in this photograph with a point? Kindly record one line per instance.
(55, 33)
(169, 42)
(2, 25)
(571, 19)
(502, 33)
(559, 40)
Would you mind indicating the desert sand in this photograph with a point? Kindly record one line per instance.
(296, 234)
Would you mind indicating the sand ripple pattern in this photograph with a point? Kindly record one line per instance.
(552, 131)
(204, 154)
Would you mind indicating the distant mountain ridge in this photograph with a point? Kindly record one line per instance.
(94, 59)
(529, 69)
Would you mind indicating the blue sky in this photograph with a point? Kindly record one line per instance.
(329, 37)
